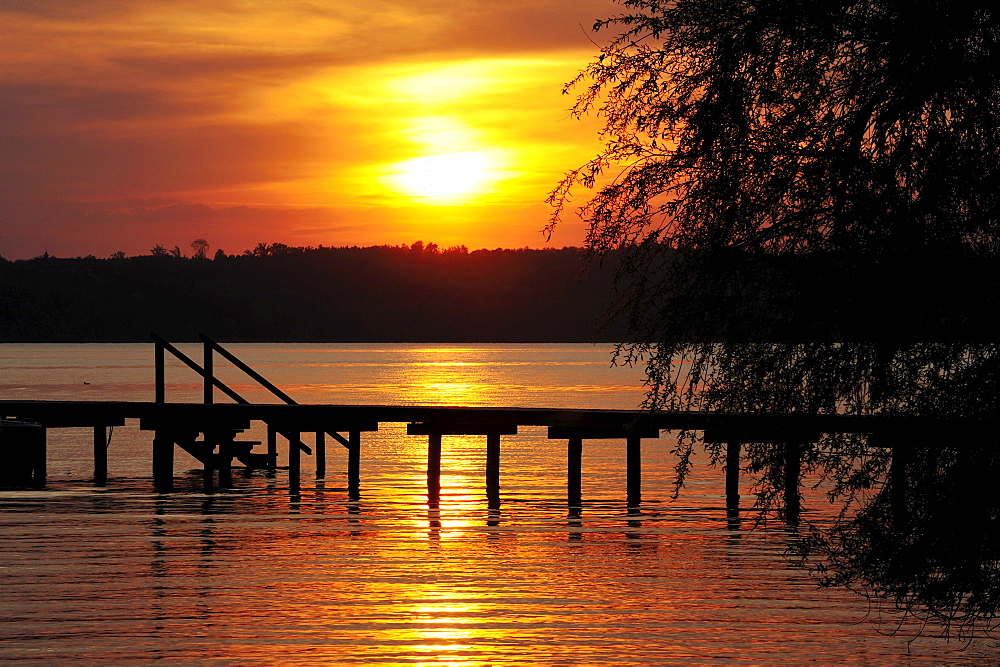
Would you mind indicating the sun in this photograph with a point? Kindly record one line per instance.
(446, 175)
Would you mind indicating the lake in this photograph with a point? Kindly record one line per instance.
(259, 575)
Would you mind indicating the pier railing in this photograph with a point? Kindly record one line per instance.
(207, 372)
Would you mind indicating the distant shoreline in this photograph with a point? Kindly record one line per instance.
(319, 342)
(310, 295)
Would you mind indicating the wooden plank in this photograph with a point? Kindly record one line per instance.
(460, 429)
(79, 421)
(313, 417)
(777, 434)
(601, 433)
(200, 422)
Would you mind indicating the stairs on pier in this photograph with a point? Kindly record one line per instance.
(228, 449)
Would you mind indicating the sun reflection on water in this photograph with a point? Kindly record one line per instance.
(442, 625)
(440, 375)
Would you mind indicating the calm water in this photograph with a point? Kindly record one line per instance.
(256, 575)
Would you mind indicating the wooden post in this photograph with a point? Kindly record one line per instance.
(272, 447)
(159, 372)
(39, 471)
(574, 456)
(100, 456)
(209, 374)
(294, 457)
(897, 486)
(163, 461)
(225, 473)
(225, 462)
(733, 476)
(208, 474)
(354, 465)
(793, 451)
(633, 463)
(493, 469)
(320, 454)
(434, 465)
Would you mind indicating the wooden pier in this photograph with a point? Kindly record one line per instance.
(209, 432)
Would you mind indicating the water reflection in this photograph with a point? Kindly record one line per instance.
(443, 628)
(433, 521)
(925, 549)
(399, 581)
(436, 376)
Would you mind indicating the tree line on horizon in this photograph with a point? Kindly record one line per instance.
(200, 250)
(276, 292)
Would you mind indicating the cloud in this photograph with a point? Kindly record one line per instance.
(278, 117)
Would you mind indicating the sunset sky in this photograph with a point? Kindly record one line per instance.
(130, 123)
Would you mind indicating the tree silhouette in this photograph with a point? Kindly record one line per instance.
(806, 196)
(200, 248)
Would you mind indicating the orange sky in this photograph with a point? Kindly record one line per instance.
(127, 123)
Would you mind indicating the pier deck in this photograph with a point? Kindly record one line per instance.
(217, 424)
(208, 431)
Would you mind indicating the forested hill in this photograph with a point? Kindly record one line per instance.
(277, 293)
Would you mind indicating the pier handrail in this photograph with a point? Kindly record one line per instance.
(211, 345)
(207, 372)
(162, 344)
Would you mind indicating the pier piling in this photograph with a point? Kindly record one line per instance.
(208, 475)
(434, 465)
(733, 476)
(574, 459)
(179, 424)
(633, 472)
(493, 469)
(100, 456)
(574, 435)
(793, 453)
(42, 462)
(897, 486)
(272, 447)
(354, 465)
(294, 460)
(163, 461)
(225, 463)
(320, 454)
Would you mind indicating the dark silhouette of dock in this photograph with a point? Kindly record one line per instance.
(210, 432)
